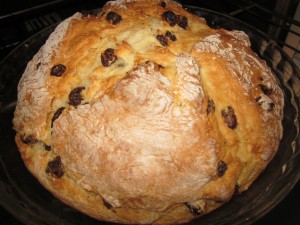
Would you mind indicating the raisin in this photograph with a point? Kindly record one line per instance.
(107, 204)
(222, 167)
(163, 4)
(194, 209)
(47, 147)
(170, 17)
(162, 39)
(108, 57)
(113, 18)
(57, 114)
(58, 70)
(55, 167)
(75, 97)
(210, 106)
(229, 117)
(38, 65)
(182, 21)
(171, 36)
(30, 139)
(265, 89)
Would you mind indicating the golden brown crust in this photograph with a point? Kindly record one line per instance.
(144, 114)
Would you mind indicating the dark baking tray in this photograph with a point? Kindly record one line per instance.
(27, 200)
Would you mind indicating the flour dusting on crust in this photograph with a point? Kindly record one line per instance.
(33, 94)
(215, 44)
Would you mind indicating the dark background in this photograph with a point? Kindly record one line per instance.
(21, 19)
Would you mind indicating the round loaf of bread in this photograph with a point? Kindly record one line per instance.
(143, 114)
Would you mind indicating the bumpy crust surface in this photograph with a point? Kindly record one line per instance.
(161, 128)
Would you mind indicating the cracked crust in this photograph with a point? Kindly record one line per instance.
(165, 121)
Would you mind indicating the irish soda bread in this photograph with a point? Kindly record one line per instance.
(144, 114)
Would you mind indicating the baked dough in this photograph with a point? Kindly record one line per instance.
(144, 114)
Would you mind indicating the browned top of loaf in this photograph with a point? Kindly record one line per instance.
(154, 117)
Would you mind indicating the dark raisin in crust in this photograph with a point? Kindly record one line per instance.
(265, 89)
(54, 167)
(174, 19)
(108, 57)
(58, 70)
(113, 18)
(30, 139)
(194, 209)
(163, 4)
(171, 36)
(210, 107)
(170, 17)
(75, 97)
(47, 147)
(182, 21)
(222, 167)
(57, 114)
(162, 39)
(229, 117)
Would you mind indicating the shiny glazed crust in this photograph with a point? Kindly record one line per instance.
(144, 114)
